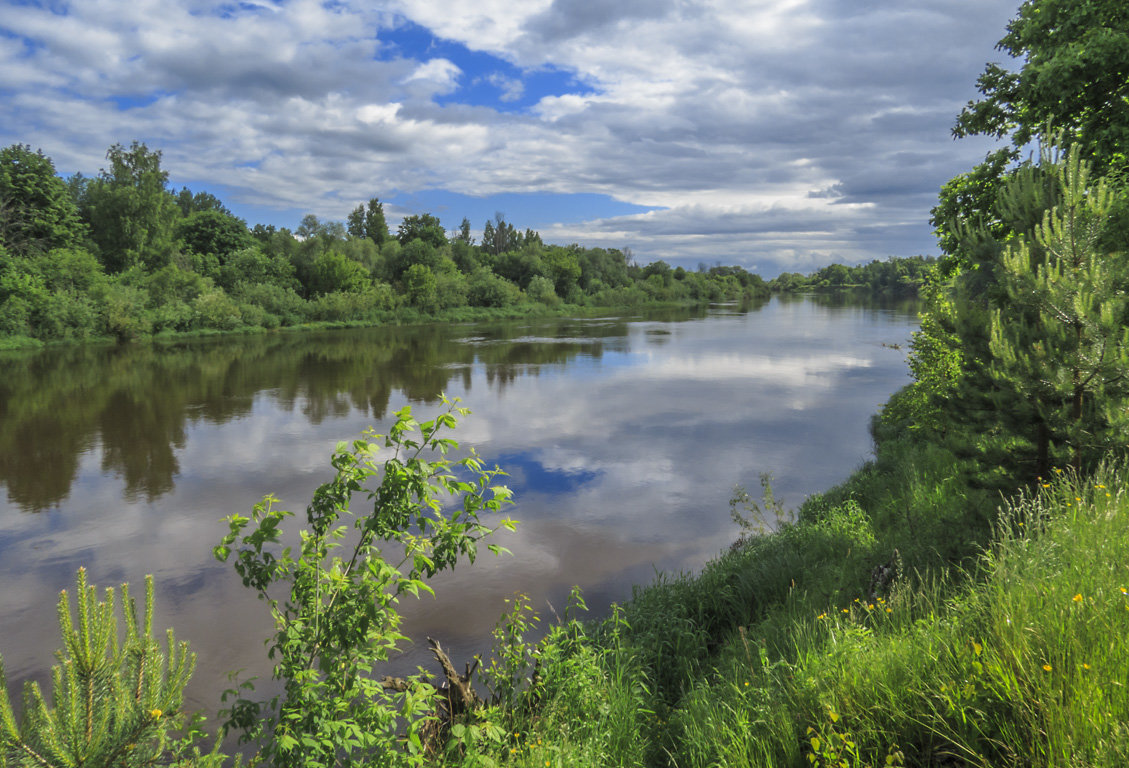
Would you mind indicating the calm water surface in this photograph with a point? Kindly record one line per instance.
(623, 437)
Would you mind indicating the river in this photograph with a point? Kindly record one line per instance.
(623, 437)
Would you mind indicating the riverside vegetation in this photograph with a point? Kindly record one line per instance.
(962, 600)
(121, 256)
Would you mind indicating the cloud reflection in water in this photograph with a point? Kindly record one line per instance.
(624, 437)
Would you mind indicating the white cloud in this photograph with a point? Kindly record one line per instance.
(441, 74)
(728, 114)
(512, 88)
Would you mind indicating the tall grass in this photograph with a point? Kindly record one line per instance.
(1004, 641)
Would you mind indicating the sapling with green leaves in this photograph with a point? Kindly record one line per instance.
(339, 619)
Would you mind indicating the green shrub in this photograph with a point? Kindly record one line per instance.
(340, 618)
(215, 309)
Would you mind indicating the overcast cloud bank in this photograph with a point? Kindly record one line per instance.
(780, 135)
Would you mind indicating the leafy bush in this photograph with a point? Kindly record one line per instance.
(340, 618)
(541, 289)
(215, 309)
(284, 302)
(485, 289)
(124, 311)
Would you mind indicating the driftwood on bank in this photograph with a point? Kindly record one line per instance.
(456, 696)
(457, 691)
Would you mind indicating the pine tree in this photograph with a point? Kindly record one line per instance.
(112, 703)
(1059, 348)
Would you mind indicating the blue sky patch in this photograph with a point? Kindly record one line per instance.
(527, 474)
(125, 101)
(487, 80)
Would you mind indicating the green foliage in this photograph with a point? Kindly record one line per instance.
(421, 288)
(365, 305)
(895, 276)
(50, 295)
(369, 223)
(130, 211)
(190, 203)
(215, 309)
(1058, 338)
(213, 232)
(124, 307)
(936, 365)
(1075, 61)
(281, 302)
(37, 212)
(486, 289)
(251, 267)
(115, 703)
(417, 251)
(1024, 350)
(541, 289)
(332, 272)
(340, 619)
(423, 227)
(508, 673)
(154, 253)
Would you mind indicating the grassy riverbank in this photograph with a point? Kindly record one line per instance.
(401, 316)
(1001, 636)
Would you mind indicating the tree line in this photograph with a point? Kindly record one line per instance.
(902, 277)
(123, 255)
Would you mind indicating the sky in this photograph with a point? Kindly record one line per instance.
(780, 135)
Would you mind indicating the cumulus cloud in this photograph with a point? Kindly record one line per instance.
(793, 130)
(511, 87)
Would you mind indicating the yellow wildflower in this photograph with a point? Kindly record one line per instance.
(155, 714)
(1047, 667)
(1077, 598)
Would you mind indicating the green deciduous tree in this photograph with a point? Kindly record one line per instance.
(251, 266)
(331, 272)
(1075, 76)
(340, 619)
(421, 287)
(369, 223)
(37, 212)
(190, 203)
(424, 227)
(213, 232)
(131, 213)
